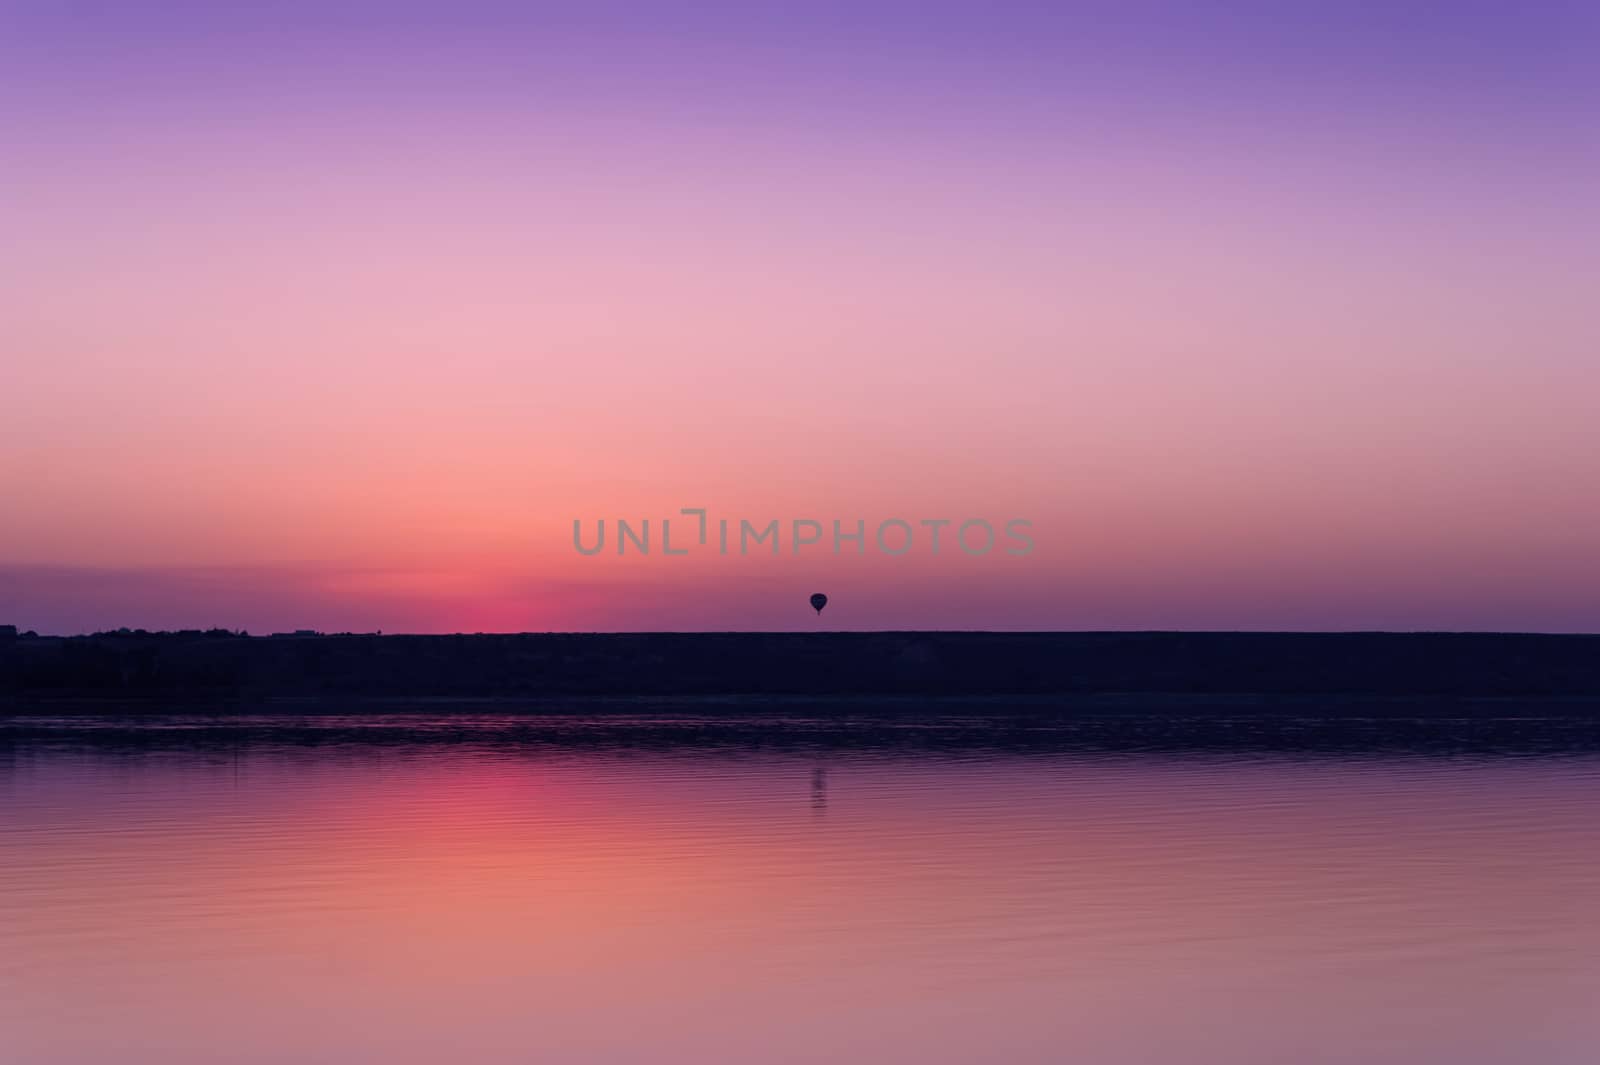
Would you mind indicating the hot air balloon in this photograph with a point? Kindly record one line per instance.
(818, 601)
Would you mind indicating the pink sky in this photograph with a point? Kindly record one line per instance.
(353, 348)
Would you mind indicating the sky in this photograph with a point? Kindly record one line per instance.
(338, 316)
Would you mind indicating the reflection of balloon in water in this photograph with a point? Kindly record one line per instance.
(819, 601)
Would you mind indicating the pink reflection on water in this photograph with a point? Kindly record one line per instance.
(418, 905)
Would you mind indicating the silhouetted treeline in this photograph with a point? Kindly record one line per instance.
(218, 663)
(210, 634)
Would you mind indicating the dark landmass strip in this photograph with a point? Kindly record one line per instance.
(1202, 668)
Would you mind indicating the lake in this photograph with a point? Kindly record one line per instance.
(421, 888)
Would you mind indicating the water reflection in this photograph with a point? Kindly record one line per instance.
(499, 890)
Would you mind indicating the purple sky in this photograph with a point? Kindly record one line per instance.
(337, 316)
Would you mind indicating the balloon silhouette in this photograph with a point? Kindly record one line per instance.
(819, 601)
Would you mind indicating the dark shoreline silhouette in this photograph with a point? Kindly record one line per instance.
(1104, 671)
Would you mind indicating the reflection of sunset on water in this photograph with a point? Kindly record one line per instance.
(397, 902)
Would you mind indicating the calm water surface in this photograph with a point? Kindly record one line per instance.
(461, 890)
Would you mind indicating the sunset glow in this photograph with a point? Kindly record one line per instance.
(339, 316)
